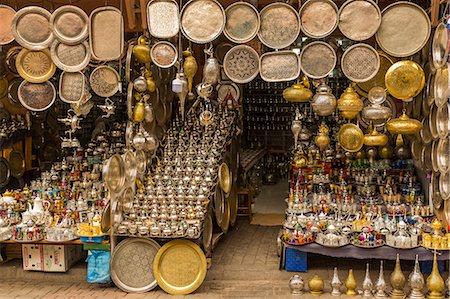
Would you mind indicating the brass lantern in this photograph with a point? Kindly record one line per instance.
(349, 104)
(299, 92)
(404, 125)
(322, 139)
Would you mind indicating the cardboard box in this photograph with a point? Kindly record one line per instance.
(50, 258)
(32, 255)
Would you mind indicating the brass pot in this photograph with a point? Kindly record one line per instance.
(403, 125)
(141, 51)
(376, 113)
(386, 152)
(316, 285)
(298, 93)
(349, 104)
(375, 138)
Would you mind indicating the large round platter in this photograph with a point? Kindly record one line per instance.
(71, 87)
(17, 164)
(6, 17)
(416, 148)
(427, 152)
(141, 162)
(106, 33)
(425, 133)
(351, 137)
(434, 190)
(405, 79)
(317, 60)
(35, 66)
(105, 222)
(280, 25)
(207, 234)
(360, 63)
(228, 89)
(443, 118)
(219, 204)
(241, 64)
(104, 81)
(132, 265)
(114, 173)
(11, 57)
(70, 24)
(441, 86)
(242, 22)
(279, 66)
(318, 18)
(439, 47)
(405, 29)
(359, 19)
(36, 96)
(180, 267)
(130, 162)
(31, 28)
(70, 58)
(444, 185)
(163, 18)
(378, 80)
(443, 155)
(202, 21)
(164, 54)
(225, 178)
(5, 172)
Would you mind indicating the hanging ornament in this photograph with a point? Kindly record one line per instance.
(211, 69)
(299, 92)
(323, 102)
(349, 104)
(190, 69)
(322, 139)
(141, 51)
(151, 84)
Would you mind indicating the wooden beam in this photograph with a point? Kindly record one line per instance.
(435, 12)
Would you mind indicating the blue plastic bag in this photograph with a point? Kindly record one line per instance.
(98, 266)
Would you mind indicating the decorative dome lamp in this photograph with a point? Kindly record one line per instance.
(349, 104)
(403, 125)
(323, 102)
(299, 92)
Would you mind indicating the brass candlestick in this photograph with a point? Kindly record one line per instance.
(350, 284)
(435, 282)
(398, 281)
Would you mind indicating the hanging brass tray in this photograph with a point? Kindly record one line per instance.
(434, 191)
(164, 54)
(317, 59)
(441, 86)
(416, 148)
(425, 133)
(70, 24)
(241, 64)
(163, 18)
(405, 29)
(443, 156)
(36, 96)
(242, 22)
(351, 137)
(225, 178)
(130, 163)
(180, 267)
(359, 19)
(114, 173)
(35, 66)
(104, 81)
(439, 46)
(405, 79)
(106, 33)
(72, 87)
(426, 157)
(207, 233)
(70, 58)
(360, 63)
(132, 265)
(280, 25)
(444, 185)
(279, 66)
(17, 164)
(432, 119)
(443, 118)
(105, 223)
(202, 21)
(219, 204)
(318, 18)
(31, 28)
(141, 159)
(6, 16)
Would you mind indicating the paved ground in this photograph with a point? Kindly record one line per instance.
(244, 264)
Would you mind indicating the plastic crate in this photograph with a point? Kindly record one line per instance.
(97, 239)
(295, 260)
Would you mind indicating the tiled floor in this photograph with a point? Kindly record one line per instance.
(271, 198)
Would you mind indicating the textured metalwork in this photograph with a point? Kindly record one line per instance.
(319, 18)
(279, 66)
(71, 87)
(163, 18)
(114, 174)
(70, 24)
(6, 16)
(280, 25)
(439, 47)
(359, 19)
(242, 22)
(378, 80)
(70, 58)
(405, 79)
(360, 63)
(351, 137)
(36, 96)
(31, 28)
(317, 59)
(104, 81)
(35, 66)
(241, 64)
(202, 21)
(164, 54)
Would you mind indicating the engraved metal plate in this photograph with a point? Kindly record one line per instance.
(441, 90)
(70, 58)
(70, 24)
(17, 163)
(6, 17)
(163, 18)
(242, 23)
(132, 265)
(317, 59)
(280, 25)
(360, 63)
(31, 28)
(71, 87)
(35, 66)
(279, 66)
(37, 96)
(104, 81)
(202, 21)
(378, 80)
(318, 18)
(114, 173)
(241, 64)
(106, 33)
(439, 47)
(164, 54)
(405, 29)
(359, 19)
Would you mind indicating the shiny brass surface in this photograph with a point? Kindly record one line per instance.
(403, 125)
(405, 79)
(350, 137)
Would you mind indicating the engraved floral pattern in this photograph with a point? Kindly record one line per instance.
(241, 64)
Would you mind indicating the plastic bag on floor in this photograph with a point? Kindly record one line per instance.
(98, 266)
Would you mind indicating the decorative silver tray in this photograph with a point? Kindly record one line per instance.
(6, 16)
(70, 58)
(31, 28)
(71, 87)
(319, 18)
(164, 54)
(241, 64)
(69, 24)
(317, 59)
(360, 63)
(104, 81)
(439, 47)
(163, 18)
(280, 25)
(202, 21)
(441, 86)
(132, 265)
(37, 96)
(359, 19)
(279, 66)
(242, 22)
(106, 33)
(130, 162)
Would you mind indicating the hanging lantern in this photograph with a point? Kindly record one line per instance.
(299, 92)
(322, 139)
(323, 102)
(349, 104)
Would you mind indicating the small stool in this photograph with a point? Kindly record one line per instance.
(245, 200)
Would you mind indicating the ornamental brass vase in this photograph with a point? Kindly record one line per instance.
(349, 104)
(416, 282)
(435, 283)
(398, 281)
(316, 285)
(403, 125)
(350, 284)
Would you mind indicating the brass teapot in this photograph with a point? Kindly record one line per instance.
(349, 104)
(141, 51)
